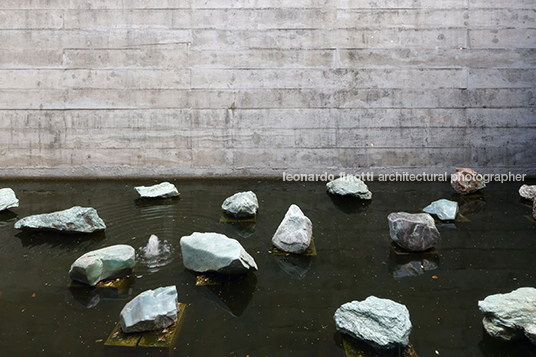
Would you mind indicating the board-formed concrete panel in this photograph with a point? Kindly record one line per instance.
(186, 88)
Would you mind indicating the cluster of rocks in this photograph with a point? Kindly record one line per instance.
(382, 323)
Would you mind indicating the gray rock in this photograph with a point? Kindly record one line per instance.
(8, 199)
(413, 231)
(241, 205)
(528, 192)
(214, 252)
(162, 190)
(510, 316)
(382, 323)
(103, 264)
(76, 219)
(294, 233)
(349, 186)
(466, 181)
(443, 209)
(534, 209)
(150, 310)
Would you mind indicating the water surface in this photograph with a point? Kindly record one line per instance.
(284, 309)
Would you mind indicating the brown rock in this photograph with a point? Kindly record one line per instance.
(466, 181)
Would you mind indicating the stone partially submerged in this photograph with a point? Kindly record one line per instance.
(8, 199)
(466, 181)
(443, 209)
(349, 186)
(151, 310)
(162, 190)
(73, 220)
(510, 316)
(528, 192)
(382, 323)
(214, 252)
(103, 264)
(413, 231)
(294, 233)
(241, 205)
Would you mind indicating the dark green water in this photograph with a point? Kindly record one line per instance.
(284, 309)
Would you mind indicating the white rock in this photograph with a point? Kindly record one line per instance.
(294, 233)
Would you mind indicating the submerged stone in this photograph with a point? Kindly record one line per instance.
(8, 199)
(510, 316)
(382, 323)
(413, 231)
(294, 233)
(443, 209)
(466, 181)
(528, 192)
(214, 252)
(162, 190)
(150, 310)
(349, 186)
(241, 205)
(76, 219)
(103, 264)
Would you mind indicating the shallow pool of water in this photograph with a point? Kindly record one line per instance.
(285, 308)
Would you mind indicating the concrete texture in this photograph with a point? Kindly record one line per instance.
(186, 88)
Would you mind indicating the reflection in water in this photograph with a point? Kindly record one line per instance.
(470, 204)
(66, 241)
(7, 217)
(232, 293)
(491, 347)
(294, 265)
(242, 229)
(150, 202)
(88, 297)
(349, 205)
(403, 264)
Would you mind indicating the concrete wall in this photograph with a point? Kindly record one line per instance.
(257, 87)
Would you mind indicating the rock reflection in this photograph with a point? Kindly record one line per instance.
(349, 205)
(232, 293)
(78, 241)
(403, 264)
(491, 347)
(242, 230)
(294, 265)
(7, 217)
(470, 204)
(88, 297)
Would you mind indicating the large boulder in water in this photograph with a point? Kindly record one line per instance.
(73, 220)
(8, 199)
(349, 186)
(443, 209)
(510, 316)
(466, 181)
(413, 231)
(103, 264)
(528, 192)
(151, 310)
(214, 252)
(162, 190)
(294, 233)
(382, 323)
(241, 205)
